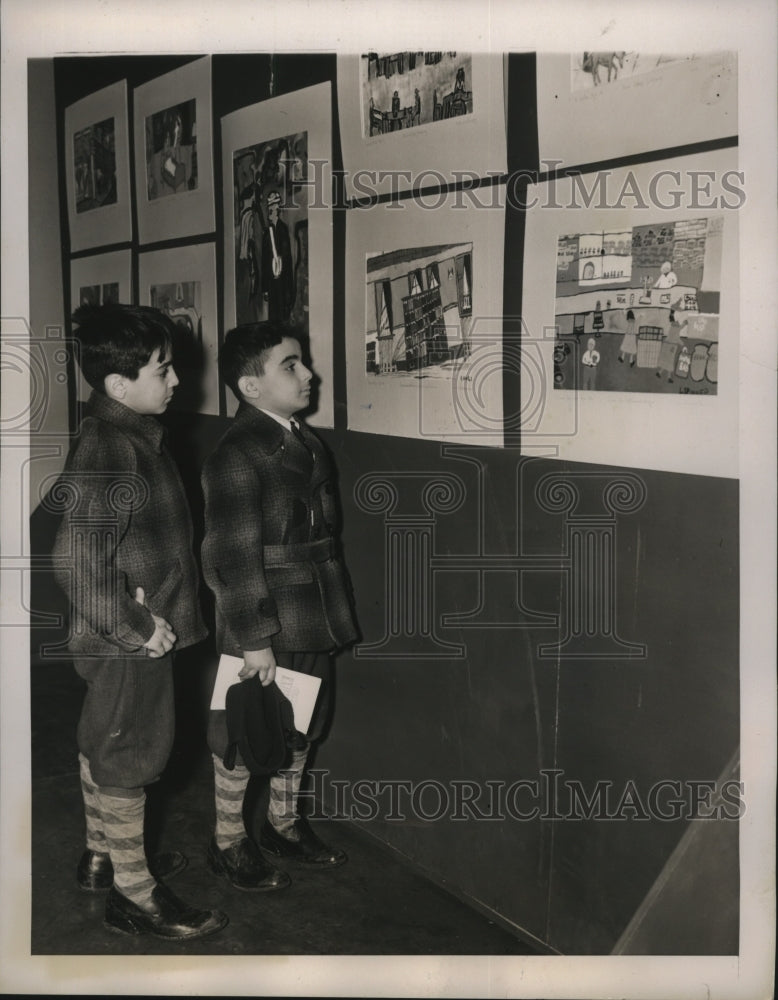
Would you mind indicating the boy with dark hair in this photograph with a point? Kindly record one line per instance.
(282, 598)
(124, 556)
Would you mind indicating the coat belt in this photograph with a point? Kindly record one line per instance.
(283, 555)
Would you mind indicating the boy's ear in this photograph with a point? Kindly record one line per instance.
(115, 386)
(248, 386)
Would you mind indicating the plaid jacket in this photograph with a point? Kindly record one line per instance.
(126, 524)
(270, 552)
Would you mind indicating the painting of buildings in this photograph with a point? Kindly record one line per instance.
(637, 309)
(406, 89)
(418, 310)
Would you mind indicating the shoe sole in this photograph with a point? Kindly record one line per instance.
(129, 927)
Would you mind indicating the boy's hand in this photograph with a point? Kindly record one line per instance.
(163, 638)
(259, 661)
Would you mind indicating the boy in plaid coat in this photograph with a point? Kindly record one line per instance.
(270, 556)
(124, 557)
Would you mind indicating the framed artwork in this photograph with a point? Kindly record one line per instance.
(182, 283)
(97, 280)
(420, 120)
(595, 106)
(97, 169)
(630, 325)
(174, 154)
(278, 225)
(423, 321)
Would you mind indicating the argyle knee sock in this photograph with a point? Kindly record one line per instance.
(284, 793)
(229, 790)
(123, 825)
(95, 835)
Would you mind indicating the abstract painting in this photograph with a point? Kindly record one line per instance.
(173, 154)
(171, 150)
(276, 165)
(637, 310)
(94, 166)
(97, 169)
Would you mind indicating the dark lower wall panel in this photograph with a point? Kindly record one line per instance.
(651, 696)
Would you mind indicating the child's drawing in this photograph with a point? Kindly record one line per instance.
(171, 151)
(94, 166)
(595, 69)
(181, 301)
(418, 311)
(271, 231)
(406, 89)
(98, 295)
(637, 309)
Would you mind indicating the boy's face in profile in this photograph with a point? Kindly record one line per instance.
(153, 389)
(284, 387)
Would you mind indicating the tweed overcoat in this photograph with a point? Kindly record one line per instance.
(270, 553)
(125, 524)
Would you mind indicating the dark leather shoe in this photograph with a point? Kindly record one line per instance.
(302, 847)
(166, 917)
(245, 868)
(95, 871)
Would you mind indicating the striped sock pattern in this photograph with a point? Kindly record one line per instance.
(285, 791)
(123, 824)
(95, 835)
(229, 790)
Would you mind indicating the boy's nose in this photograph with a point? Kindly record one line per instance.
(172, 377)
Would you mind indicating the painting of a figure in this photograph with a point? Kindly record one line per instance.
(418, 311)
(637, 310)
(403, 90)
(181, 301)
(271, 231)
(94, 166)
(171, 151)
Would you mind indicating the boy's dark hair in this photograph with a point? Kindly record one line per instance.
(244, 348)
(120, 339)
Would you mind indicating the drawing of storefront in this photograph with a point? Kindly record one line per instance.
(418, 307)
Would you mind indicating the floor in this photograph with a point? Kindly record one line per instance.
(374, 905)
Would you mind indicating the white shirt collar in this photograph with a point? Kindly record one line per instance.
(281, 420)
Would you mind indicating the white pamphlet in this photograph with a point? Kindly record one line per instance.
(301, 689)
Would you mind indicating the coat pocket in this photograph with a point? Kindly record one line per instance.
(161, 599)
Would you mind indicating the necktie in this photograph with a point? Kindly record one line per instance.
(299, 435)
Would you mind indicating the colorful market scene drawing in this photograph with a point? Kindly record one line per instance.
(171, 151)
(271, 231)
(94, 166)
(418, 310)
(637, 310)
(406, 89)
